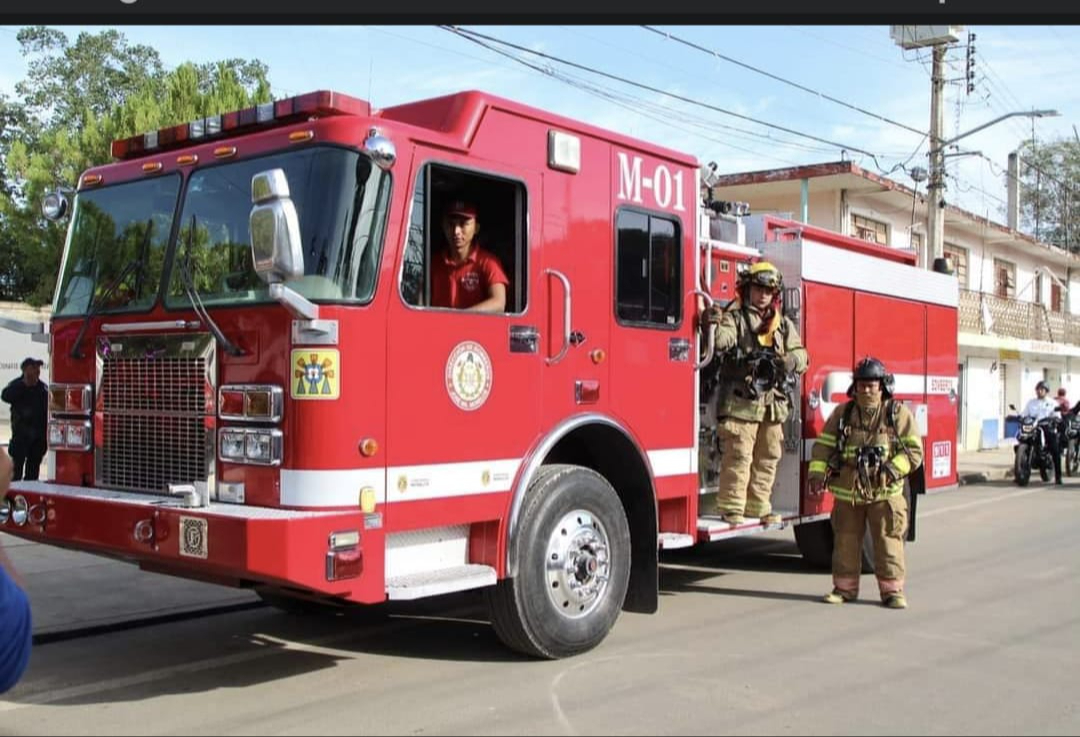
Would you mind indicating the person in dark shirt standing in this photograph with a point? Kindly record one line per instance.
(29, 399)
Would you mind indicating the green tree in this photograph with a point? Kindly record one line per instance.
(1050, 191)
(78, 96)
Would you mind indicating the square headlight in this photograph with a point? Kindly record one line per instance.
(231, 445)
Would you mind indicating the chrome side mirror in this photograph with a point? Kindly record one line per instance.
(380, 148)
(276, 250)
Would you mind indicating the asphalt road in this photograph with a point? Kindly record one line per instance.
(741, 644)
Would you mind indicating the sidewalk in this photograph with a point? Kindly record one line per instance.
(980, 466)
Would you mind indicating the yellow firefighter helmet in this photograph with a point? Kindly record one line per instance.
(762, 274)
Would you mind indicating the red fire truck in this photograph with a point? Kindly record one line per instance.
(251, 387)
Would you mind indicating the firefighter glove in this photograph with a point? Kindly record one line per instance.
(790, 363)
(888, 475)
(817, 485)
(713, 315)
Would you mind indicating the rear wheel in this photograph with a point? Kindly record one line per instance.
(815, 541)
(573, 566)
(1072, 457)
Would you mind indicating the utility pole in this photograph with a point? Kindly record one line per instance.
(935, 185)
(938, 38)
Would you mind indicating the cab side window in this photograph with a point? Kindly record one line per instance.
(648, 264)
(467, 233)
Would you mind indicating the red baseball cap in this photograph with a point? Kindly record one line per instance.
(462, 207)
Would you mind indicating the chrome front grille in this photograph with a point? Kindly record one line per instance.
(155, 409)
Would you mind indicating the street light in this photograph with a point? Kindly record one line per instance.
(935, 213)
(995, 121)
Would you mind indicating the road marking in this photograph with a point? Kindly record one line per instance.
(980, 502)
(560, 714)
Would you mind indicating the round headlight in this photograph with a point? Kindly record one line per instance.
(19, 510)
(54, 206)
(5, 511)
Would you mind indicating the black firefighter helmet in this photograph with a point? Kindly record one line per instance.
(871, 368)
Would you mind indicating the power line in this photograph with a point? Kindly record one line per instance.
(475, 38)
(854, 49)
(680, 70)
(776, 77)
(637, 105)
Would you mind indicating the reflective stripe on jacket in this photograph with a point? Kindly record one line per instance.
(867, 428)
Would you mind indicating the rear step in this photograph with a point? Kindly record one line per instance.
(433, 583)
(672, 540)
(714, 528)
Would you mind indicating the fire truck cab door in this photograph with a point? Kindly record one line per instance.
(576, 280)
(462, 399)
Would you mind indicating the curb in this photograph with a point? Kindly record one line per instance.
(982, 477)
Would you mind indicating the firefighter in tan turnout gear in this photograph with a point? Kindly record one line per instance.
(867, 447)
(761, 355)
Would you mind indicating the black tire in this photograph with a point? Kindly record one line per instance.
(815, 541)
(1044, 473)
(1072, 458)
(1022, 465)
(571, 515)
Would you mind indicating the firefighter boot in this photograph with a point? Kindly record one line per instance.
(895, 601)
(771, 519)
(733, 518)
(836, 596)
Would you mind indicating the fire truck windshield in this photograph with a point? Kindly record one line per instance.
(111, 228)
(341, 202)
(340, 197)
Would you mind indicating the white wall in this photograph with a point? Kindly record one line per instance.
(823, 208)
(982, 397)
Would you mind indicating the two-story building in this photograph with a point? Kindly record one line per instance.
(1019, 298)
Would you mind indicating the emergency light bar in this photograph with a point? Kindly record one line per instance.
(268, 114)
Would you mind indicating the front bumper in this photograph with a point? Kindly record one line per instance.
(227, 543)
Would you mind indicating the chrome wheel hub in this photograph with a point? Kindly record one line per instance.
(577, 563)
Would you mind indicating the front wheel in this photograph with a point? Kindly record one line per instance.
(1022, 465)
(573, 566)
(1044, 468)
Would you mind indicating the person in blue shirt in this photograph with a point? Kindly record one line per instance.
(15, 629)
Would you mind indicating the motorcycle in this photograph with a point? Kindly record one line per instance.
(1032, 450)
(1070, 440)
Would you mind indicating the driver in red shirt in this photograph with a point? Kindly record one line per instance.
(466, 276)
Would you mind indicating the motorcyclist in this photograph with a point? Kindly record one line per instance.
(1062, 400)
(1040, 408)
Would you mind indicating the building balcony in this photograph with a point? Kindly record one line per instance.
(987, 314)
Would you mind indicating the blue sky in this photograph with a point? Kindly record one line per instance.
(1017, 68)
